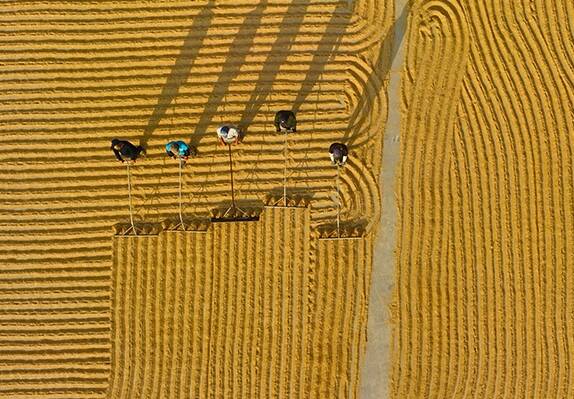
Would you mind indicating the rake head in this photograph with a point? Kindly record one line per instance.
(344, 233)
(280, 201)
(136, 230)
(185, 226)
(235, 214)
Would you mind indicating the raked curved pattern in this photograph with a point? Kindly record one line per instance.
(484, 298)
(437, 50)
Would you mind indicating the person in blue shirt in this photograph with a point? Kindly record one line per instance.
(177, 150)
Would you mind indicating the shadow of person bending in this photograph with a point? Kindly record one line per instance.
(180, 71)
(330, 42)
(238, 50)
(290, 28)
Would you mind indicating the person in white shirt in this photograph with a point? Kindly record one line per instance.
(229, 134)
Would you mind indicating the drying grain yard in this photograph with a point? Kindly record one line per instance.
(484, 300)
(258, 309)
(483, 304)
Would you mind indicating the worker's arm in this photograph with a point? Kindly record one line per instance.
(168, 151)
(117, 154)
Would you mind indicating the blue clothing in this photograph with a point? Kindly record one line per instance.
(183, 148)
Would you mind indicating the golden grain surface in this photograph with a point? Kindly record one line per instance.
(484, 299)
(75, 75)
(224, 314)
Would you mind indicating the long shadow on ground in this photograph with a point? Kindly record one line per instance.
(381, 68)
(234, 60)
(287, 36)
(180, 71)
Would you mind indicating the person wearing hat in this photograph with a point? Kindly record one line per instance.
(285, 122)
(228, 134)
(338, 153)
(125, 151)
(177, 150)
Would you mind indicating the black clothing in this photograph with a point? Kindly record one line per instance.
(127, 151)
(339, 151)
(285, 120)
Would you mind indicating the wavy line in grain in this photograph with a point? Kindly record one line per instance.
(437, 35)
(335, 341)
(535, 72)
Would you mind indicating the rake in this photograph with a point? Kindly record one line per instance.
(234, 213)
(338, 231)
(133, 229)
(181, 226)
(282, 202)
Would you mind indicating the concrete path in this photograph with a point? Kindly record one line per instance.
(375, 374)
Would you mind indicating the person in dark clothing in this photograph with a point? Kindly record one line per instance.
(338, 153)
(125, 151)
(285, 122)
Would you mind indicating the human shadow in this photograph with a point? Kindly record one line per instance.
(373, 84)
(290, 28)
(234, 60)
(180, 71)
(290, 33)
(332, 37)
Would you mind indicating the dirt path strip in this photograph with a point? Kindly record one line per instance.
(376, 367)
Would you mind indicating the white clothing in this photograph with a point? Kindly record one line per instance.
(228, 134)
(340, 163)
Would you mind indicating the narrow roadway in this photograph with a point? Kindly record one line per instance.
(375, 372)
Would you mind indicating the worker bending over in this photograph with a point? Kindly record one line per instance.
(178, 150)
(338, 153)
(125, 151)
(228, 134)
(285, 122)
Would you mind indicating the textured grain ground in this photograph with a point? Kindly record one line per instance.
(76, 74)
(485, 306)
(225, 314)
(221, 314)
